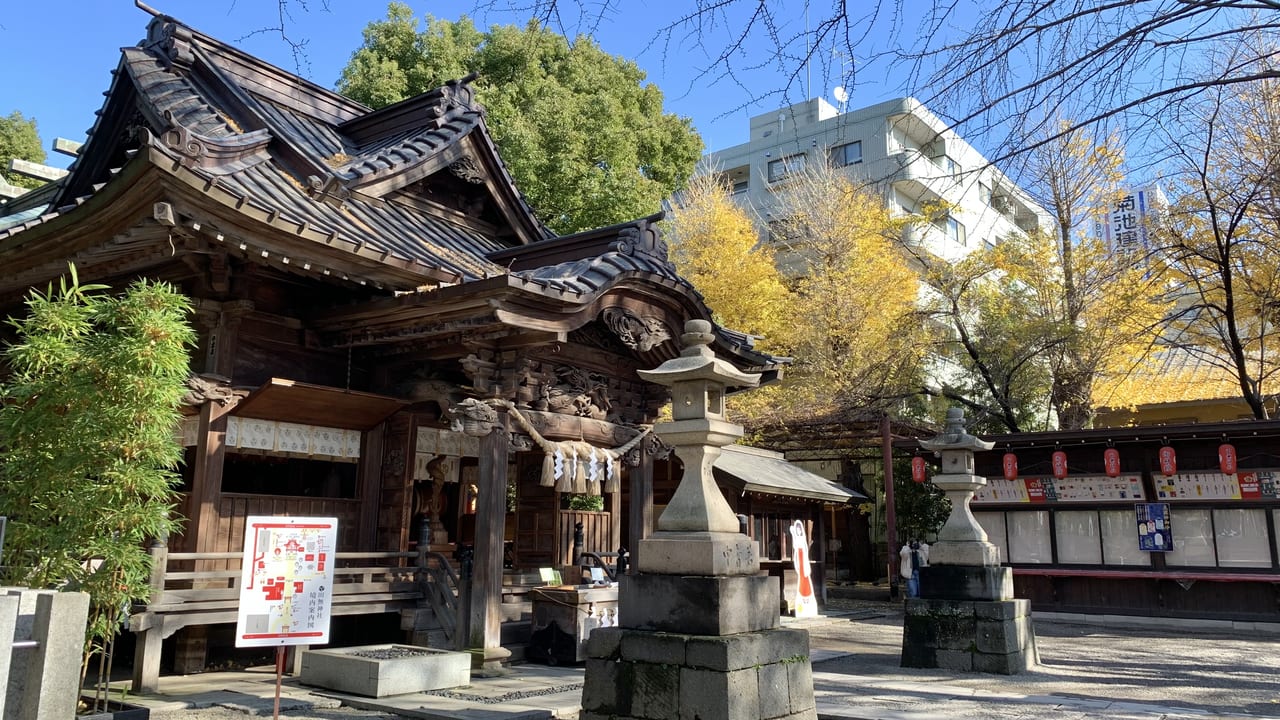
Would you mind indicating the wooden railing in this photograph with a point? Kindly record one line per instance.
(442, 592)
(364, 583)
(596, 529)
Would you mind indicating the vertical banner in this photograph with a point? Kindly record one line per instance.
(1126, 226)
(286, 582)
(1154, 533)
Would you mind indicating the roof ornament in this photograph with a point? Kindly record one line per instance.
(328, 190)
(169, 40)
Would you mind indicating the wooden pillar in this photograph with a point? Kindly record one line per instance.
(370, 486)
(614, 505)
(890, 512)
(485, 610)
(640, 524)
(206, 484)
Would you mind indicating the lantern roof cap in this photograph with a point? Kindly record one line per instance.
(954, 436)
(698, 362)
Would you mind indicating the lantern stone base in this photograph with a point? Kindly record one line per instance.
(959, 582)
(991, 636)
(635, 674)
(698, 605)
(968, 553)
(697, 553)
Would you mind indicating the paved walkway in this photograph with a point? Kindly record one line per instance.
(1088, 671)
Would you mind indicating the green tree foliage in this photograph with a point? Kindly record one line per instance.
(583, 135)
(87, 446)
(19, 139)
(996, 335)
(920, 509)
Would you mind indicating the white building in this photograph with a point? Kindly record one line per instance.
(902, 151)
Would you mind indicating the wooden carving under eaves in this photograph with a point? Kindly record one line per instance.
(208, 387)
(638, 333)
(468, 169)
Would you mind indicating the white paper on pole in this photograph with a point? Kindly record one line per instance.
(286, 582)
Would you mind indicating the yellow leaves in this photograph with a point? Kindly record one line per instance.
(715, 246)
(849, 318)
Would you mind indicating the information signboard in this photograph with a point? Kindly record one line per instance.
(286, 585)
(1244, 485)
(1070, 489)
(1154, 533)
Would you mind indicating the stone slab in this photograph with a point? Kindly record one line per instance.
(957, 582)
(698, 605)
(344, 670)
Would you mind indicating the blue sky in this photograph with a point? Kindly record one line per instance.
(59, 55)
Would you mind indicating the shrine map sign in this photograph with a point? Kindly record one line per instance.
(286, 586)
(1075, 488)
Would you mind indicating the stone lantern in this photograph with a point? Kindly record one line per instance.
(697, 533)
(966, 617)
(698, 632)
(961, 541)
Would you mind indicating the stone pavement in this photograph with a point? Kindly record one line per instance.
(1106, 668)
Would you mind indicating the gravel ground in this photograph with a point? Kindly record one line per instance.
(1207, 673)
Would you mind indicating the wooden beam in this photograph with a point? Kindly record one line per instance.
(640, 482)
(36, 170)
(67, 147)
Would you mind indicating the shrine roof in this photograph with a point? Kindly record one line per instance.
(199, 146)
(755, 470)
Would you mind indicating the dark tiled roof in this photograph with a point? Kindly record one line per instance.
(322, 169)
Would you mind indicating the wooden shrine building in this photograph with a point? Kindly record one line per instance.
(367, 282)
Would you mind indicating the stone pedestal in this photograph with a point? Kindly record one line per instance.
(992, 636)
(639, 675)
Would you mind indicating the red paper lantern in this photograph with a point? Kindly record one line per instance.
(918, 469)
(1227, 458)
(1059, 464)
(1111, 462)
(1010, 466)
(1168, 461)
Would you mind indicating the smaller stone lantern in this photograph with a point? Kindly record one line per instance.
(961, 541)
(966, 617)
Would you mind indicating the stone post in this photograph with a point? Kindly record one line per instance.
(698, 631)
(966, 617)
(44, 681)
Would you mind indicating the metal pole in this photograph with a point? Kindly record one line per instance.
(890, 516)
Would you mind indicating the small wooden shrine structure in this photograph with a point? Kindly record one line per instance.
(386, 332)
